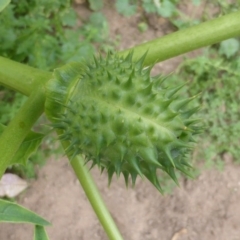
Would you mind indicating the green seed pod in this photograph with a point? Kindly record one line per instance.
(120, 118)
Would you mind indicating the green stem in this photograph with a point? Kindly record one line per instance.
(85, 178)
(19, 127)
(189, 39)
(21, 77)
(93, 195)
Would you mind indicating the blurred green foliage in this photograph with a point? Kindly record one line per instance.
(216, 74)
(45, 34)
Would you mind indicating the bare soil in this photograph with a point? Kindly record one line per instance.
(206, 208)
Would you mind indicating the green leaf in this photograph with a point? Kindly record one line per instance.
(14, 213)
(196, 2)
(3, 4)
(40, 233)
(27, 148)
(124, 8)
(69, 18)
(142, 27)
(167, 9)
(149, 6)
(96, 5)
(229, 47)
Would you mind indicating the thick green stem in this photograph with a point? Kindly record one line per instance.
(19, 127)
(85, 178)
(21, 77)
(189, 39)
(93, 195)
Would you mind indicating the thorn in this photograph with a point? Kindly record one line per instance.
(191, 139)
(73, 111)
(119, 126)
(136, 129)
(109, 137)
(122, 71)
(62, 104)
(102, 169)
(110, 174)
(77, 151)
(117, 81)
(77, 128)
(108, 57)
(134, 177)
(128, 84)
(132, 73)
(126, 175)
(65, 120)
(166, 103)
(158, 186)
(189, 113)
(99, 144)
(103, 118)
(59, 125)
(171, 173)
(140, 62)
(181, 144)
(93, 164)
(93, 107)
(95, 61)
(158, 79)
(147, 91)
(69, 148)
(198, 130)
(168, 116)
(64, 137)
(172, 91)
(152, 97)
(168, 153)
(146, 72)
(97, 159)
(101, 58)
(140, 140)
(89, 75)
(184, 162)
(83, 106)
(109, 75)
(181, 168)
(177, 105)
(123, 151)
(152, 177)
(118, 168)
(149, 155)
(86, 160)
(135, 165)
(129, 56)
(189, 122)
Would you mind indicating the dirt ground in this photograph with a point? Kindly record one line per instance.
(206, 208)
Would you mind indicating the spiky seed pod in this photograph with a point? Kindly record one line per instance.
(120, 118)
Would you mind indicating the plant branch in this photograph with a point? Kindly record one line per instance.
(93, 195)
(84, 176)
(189, 39)
(19, 127)
(21, 77)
